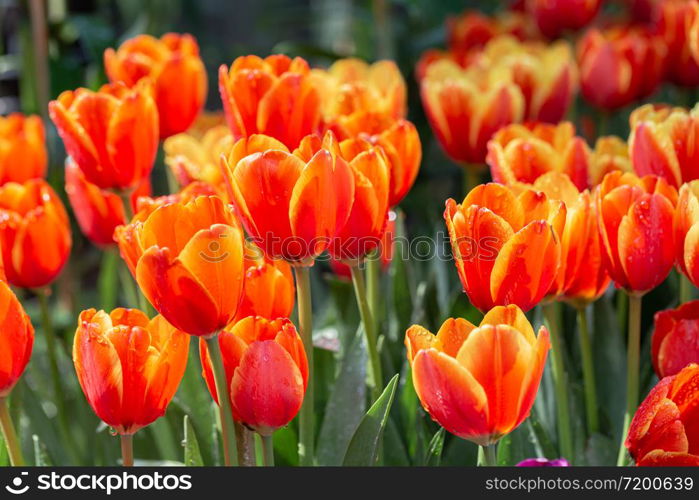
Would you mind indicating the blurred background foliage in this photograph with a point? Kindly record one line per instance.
(424, 291)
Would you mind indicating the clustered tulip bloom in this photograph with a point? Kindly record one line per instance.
(22, 148)
(686, 226)
(522, 153)
(291, 204)
(554, 17)
(34, 233)
(266, 371)
(675, 341)
(662, 143)
(506, 248)
(98, 211)
(674, 23)
(173, 65)
(479, 383)
(274, 96)
(620, 65)
(472, 29)
(635, 220)
(129, 366)
(16, 339)
(112, 135)
(198, 159)
(187, 257)
(611, 153)
(663, 430)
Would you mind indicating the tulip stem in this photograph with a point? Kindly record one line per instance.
(369, 332)
(306, 416)
(488, 455)
(373, 272)
(268, 450)
(471, 177)
(224, 401)
(125, 195)
(246, 445)
(588, 368)
(632, 369)
(127, 450)
(8, 432)
(685, 289)
(559, 381)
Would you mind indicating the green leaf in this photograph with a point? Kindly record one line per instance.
(192, 455)
(41, 456)
(364, 446)
(433, 457)
(107, 281)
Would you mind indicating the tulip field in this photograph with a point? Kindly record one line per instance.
(372, 233)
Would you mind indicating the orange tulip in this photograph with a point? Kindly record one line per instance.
(292, 205)
(398, 139)
(129, 366)
(176, 70)
(611, 153)
(16, 339)
(352, 85)
(187, 257)
(686, 225)
(22, 148)
(479, 383)
(34, 233)
(472, 29)
(664, 429)
(266, 371)
(466, 107)
(674, 23)
(146, 205)
(662, 142)
(554, 17)
(522, 153)
(675, 341)
(269, 287)
(620, 65)
(191, 159)
(635, 220)
(98, 211)
(112, 134)
(506, 248)
(274, 96)
(582, 277)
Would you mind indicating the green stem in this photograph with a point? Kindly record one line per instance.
(588, 368)
(125, 196)
(107, 279)
(382, 20)
(373, 274)
(471, 177)
(224, 401)
(560, 381)
(14, 450)
(369, 332)
(622, 309)
(632, 368)
(306, 416)
(246, 445)
(268, 450)
(488, 455)
(685, 289)
(127, 450)
(50, 338)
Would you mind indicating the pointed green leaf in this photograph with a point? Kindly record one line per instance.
(41, 456)
(433, 457)
(192, 455)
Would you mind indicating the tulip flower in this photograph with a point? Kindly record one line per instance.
(187, 257)
(98, 211)
(312, 197)
(173, 64)
(266, 371)
(522, 153)
(472, 30)
(506, 248)
(191, 159)
(620, 65)
(129, 367)
(479, 383)
(16, 341)
(663, 431)
(34, 233)
(466, 107)
(675, 341)
(554, 17)
(674, 23)
(22, 148)
(611, 153)
(686, 226)
(398, 139)
(635, 218)
(351, 85)
(662, 143)
(146, 205)
(112, 134)
(274, 96)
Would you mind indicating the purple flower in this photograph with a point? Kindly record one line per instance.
(543, 462)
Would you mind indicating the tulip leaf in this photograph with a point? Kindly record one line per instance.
(4, 457)
(433, 457)
(363, 449)
(107, 281)
(192, 455)
(41, 456)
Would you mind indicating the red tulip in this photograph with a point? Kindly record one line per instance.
(554, 17)
(675, 342)
(16, 339)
